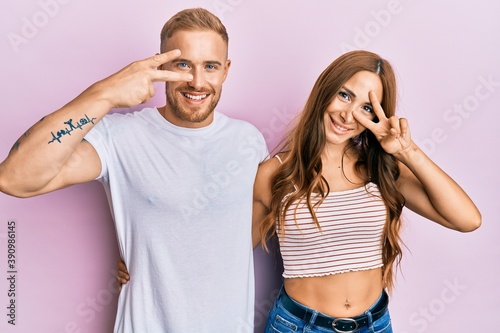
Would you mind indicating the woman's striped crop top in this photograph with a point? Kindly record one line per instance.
(350, 239)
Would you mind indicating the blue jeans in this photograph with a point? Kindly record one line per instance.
(282, 321)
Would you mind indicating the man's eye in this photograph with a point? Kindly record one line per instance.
(211, 67)
(182, 65)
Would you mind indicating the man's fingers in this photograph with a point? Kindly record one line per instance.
(164, 76)
(160, 58)
(122, 273)
(121, 280)
(152, 64)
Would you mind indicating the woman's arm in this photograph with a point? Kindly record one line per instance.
(432, 193)
(427, 189)
(262, 197)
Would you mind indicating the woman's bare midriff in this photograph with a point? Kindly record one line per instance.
(338, 295)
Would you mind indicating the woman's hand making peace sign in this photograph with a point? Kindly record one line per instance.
(393, 133)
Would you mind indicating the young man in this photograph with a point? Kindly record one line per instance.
(179, 179)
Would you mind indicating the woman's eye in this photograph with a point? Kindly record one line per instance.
(344, 95)
(368, 109)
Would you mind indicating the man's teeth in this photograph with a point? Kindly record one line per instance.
(195, 98)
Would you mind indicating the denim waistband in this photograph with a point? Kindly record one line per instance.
(349, 324)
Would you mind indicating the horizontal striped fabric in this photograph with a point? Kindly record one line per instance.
(352, 223)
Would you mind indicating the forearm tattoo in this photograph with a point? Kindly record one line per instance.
(18, 142)
(15, 146)
(71, 127)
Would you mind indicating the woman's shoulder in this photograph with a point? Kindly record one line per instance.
(269, 166)
(263, 181)
(272, 163)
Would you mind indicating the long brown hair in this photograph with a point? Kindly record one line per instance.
(303, 145)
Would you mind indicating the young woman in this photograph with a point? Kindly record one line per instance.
(334, 194)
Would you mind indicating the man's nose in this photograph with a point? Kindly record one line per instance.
(198, 80)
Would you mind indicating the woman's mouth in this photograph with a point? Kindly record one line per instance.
(339, 128)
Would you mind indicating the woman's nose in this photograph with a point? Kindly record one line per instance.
(347, 116)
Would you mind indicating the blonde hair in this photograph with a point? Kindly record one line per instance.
(192, 19)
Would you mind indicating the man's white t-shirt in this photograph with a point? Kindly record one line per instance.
(181, 199)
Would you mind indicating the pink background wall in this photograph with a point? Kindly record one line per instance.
(446, 56)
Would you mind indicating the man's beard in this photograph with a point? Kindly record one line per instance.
(194, 114)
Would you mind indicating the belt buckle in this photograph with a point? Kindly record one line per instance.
(334, 323)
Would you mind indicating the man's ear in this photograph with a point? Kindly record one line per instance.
(226, 68)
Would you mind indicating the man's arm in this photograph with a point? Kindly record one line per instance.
(52, 153)
(122, 275)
